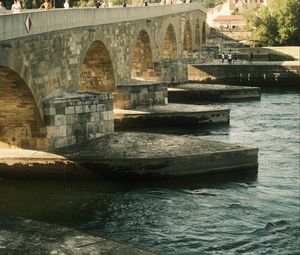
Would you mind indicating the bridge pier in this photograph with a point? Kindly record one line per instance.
(76, 117)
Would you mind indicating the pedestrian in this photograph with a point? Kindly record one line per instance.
(229, 57)
(146, 3)
(223, 57)
(16, 7)
(124, 3)
(46, 5)
(234, 58)
(98, 4)
(66, 4)
(250, 57)
(2, 9)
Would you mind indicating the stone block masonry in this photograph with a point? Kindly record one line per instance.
(258, 74)
(76, 117)
(141, 95)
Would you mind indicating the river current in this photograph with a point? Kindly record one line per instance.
(235, 214)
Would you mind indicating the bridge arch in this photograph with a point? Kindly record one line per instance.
(170, 43)
(203, 33)
(197, 34)
(187, 39)
(21, 124)
(142, 66)
(96, 70)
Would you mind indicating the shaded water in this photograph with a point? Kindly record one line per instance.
(242, 214)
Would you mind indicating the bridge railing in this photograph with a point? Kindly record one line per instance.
(27, 23)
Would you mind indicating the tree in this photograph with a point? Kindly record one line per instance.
(250, 13)
(210, 3)
(278, 24)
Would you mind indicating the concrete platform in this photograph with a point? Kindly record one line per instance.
(197, 93)
(130, 155)
(24, 236)
(171, 115)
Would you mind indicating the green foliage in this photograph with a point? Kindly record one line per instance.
(249, 13)
(236, 11)
(278, 24)
(209, 3)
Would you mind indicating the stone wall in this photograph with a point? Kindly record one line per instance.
(141, 95)
(246, 74)
(73, 117)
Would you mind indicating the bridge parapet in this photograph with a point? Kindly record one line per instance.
(12, 26)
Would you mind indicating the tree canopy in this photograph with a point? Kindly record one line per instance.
(278, 24)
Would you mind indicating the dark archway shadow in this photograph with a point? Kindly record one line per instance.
(96, 71)
(21, 124)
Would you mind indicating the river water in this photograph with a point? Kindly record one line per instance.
(243, 214)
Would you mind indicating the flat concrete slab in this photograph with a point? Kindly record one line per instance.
(24, 236)
(171, 115)
(131, 154)
(197, 93)
(161, 155)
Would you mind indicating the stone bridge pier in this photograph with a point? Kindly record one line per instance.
(62, 72)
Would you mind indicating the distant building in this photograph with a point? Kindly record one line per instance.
(229, 21)
(222, 15)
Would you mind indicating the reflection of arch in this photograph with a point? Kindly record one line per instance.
(203, 33)
(197, 34)
(170, 45)
(21, 124)
(187, 40)
(96, 71)
(142, 62)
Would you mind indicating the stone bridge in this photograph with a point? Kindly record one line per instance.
(63, 71)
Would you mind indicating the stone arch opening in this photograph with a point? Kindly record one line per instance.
(96, 71)
(197, 34)
(170, 44)
(203, 33)
(142, 67)
(21, 124)
(187, 40)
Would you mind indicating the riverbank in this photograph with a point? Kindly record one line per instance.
(260, 73)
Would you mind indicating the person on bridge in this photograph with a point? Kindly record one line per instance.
(46, 5)
(223, 57)
(16, 7)
(66, 4)
(2, 9)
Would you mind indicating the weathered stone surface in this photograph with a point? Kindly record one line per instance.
(125, 154)
(171, 115)
(144, 154)
(20, 236)
(196, 93)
